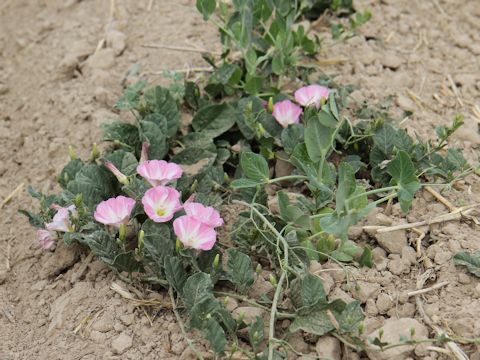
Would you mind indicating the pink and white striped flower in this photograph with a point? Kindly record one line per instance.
(144, 153)
(205, 214)
(161, 203)
(311, 95)
(193, 233)
(45, 239)
(286, 113)
(114, 211)
(159, 172)
(61, 220)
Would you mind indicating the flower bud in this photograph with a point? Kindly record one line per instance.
(258, 269)
(270, 105)
(95, 153)
(122, 178)
(226, 300)
(71, 152)
(144, 153)
(272, 280)
(122, 232)
(216, 261)
(141, 240)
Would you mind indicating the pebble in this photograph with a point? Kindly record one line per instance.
(442, 257)
(463, 41)
(329, 347)
(127, 319)
(122, 343)
(98, 337)
(117, 41)
(384, 303)
(105, 323)
(231, 304)
(297, 341)
(3, 277)
(393, 329)
(3, 89)
(409, 255)
(403, 310)
(103, 59)
(366, 290)
(355, 232)
(261, 287)
(391, 60)
(464, 278)
(249, 313)
(393, 241)
(371, 307)
(397, 266)
(477, 290)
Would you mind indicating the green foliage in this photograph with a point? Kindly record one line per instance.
(470, 260)
(239, 269)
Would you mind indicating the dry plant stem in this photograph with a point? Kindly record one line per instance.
(179, 48)
(441, 198)
(455, 90)
(421, 236)
(276, 297)
(182, 327)
(431, 288)
(186, 71)
(11, 195)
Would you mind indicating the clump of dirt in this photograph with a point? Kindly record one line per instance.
(59, 78)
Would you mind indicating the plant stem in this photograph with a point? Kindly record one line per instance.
(288, 177)
(276, 297)
(182, 327)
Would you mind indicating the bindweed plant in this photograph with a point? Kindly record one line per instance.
(149, 205)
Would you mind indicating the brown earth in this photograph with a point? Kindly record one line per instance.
(56, 88)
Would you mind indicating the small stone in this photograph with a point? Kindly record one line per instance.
(371, 307)
(463, 327)
(355, 232)
(405, 103)
(402, 310)
(338, 274)
(282, 166)
(249, 313)
(98, 337)
(391, 60)
(118, 326)
(384, 303)
(117, 41)
(338, 293)
(329, 347)
(477, 290)
(463, 41)
(384, 220)
(327, 282)
(103, 59)
(230, 304)
(371, 324)
(396, 266)
(378, 254)
(315, 267)
(442, 257)
(365, 290)
(297, 341)
(127, 319)
(409, 255)
(464, 279)
(393, 330)
(392, 241)
(261, 287)
(104, 323)
(121, 343)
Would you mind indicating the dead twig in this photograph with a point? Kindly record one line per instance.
(10, 196)
(179, 48)
(418, 245)
(455, 90)
(138, 302)
(185, 71)
(441, 198)
(425, 290)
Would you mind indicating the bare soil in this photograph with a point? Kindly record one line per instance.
(56, 87)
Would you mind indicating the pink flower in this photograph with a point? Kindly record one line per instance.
(286, 113)
(144, 153)
(205, 214)
(122, 178)
(193, 233)
(61, 220)
(311, 95)
(45, 239)
(114, 211)
(161, 202)
(159, 172)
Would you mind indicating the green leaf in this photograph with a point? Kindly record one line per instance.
(346, 185)
(125, 161)
(470, 260)
(206, 8)
(244, 183)
(156, 138)
(239, 269)
(350, 318)
(307, 292)
(158, 244)
(318, 139)
(175, 273)
(316, 322)
(254, 166)
(159, 100)
(102, 244)
(195, 160)
(127, 262)
(95, 183)
(215, 334)
(69, 172)
(402, 171)
(214, 120)
(366, 258)
(34, 219)
(131, 96)
(197, 287)
(384, 139)
(121, 133)
(255, 332)
(302, 161)
(291, 136)
(159, 120)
